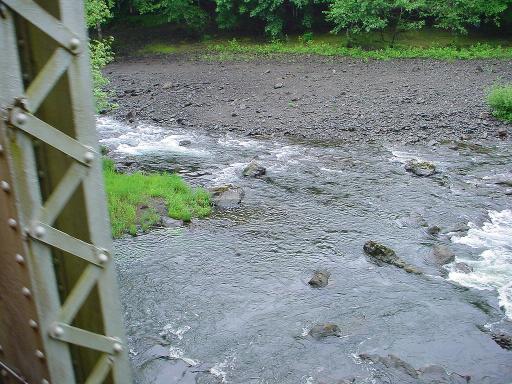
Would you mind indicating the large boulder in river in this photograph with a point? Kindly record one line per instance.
(420, 168)
(320, 279)
(381, 254)
(227, 196)
(254, 169)
(320, 331)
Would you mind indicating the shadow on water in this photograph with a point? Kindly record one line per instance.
(227, 299)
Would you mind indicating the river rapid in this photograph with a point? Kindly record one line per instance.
(226, 299)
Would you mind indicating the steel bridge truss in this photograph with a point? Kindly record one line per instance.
(60, 316)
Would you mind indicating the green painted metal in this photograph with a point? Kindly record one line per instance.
(55, 216)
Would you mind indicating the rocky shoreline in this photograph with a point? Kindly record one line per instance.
(314, 98)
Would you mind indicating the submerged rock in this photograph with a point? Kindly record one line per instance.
(254, 170)
(442, 254)
(463, 268)
(320, 331)
(503, 340)
(185, 143)
(433, 230)
(227, 196)
(382, 254)
(320, 279)
(420, 168)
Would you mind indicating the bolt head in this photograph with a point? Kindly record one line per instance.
(74, 43)
(1, 149)
(44, 381)
(39, 231)
(32, 324)
(21, 118)
(88, 156)
(25, 291)
(4, 185)
(12, 222)
(103, 258)
(20, 259)
(39, 354)
(117, 347)
(57, 331)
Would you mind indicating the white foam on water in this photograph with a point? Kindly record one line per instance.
(178, 332)
(218, 370)
(493, 269)
(229, 174)
(177, 354)
(238, 143)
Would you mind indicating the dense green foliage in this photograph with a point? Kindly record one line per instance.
(279, 17)
(97, 12)
(128, 192)
(500, 101)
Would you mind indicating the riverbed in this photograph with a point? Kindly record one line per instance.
(226, 299)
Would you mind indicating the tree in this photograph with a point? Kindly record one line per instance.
(356, 16)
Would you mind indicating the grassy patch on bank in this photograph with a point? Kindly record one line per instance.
(126, 193)
(426, 43)
(500, 101)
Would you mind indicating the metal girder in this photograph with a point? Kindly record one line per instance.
(60, 315)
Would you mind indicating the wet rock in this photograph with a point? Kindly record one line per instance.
(227, 196)
(320, 279)
(254, 170)
(169, 222)
(278, 85)
(391, 361)
(320, 331)
(184, 143)
(442, 254)
(463, 268)
(167, 85)
(433, 230)
(382, 254)
(502, 133)
(420, 168)
(503, 340)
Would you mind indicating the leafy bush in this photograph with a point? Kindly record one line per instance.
(500, 101)
(101, 55)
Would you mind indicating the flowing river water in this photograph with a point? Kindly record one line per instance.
(226, 299)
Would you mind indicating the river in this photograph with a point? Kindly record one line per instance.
(226, 299)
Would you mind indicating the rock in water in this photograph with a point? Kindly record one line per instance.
(463, 268)
(227, 196)
(420, 168)
(184, 143)
(503, 340)
(442, 254)
(320, 279)
(320, 331)
(254, 170)
(382, 254)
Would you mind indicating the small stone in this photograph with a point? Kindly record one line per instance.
(167, 85)
(420, 168)
(320, 331)
(278, 85)
(433, 230)
(227, 196)
(320, 279)
(502, 133)
(184, 143)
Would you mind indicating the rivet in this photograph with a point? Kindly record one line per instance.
(5, 186)
(25, 291)
(57, 331)
(102, 258)
(20, 259)
(1, 349)
(118, 348)
(74, 43)
(44, 381)
(39, 231)
(1, 149)
(88, 156)
(21, 118)
(12, 222)
(32, 324)
(39, 354)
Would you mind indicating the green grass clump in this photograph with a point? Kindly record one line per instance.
(158, 49)
(500, 101)
(126, 192)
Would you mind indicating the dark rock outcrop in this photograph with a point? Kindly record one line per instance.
(320, 331)
(227, 196)
(442, 254)
(381, 254)
(254, 169)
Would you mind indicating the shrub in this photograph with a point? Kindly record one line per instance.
(500, 101)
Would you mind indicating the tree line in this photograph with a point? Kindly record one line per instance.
(278, 17)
